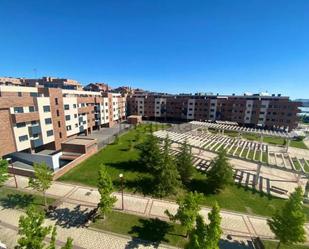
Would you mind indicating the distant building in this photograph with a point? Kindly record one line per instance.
(10, 81)
(97, 87)
(254, 110)
(51, 82)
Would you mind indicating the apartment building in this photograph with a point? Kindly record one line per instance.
(254, 110)
(38, 118)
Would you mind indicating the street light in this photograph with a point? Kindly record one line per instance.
(121, 179)
(9, 161)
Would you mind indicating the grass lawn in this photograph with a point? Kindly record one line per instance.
(118, 158)
(257, 155)
(273, 245)
(296, 164)
(265, 157)
(270, 140)
(152, 230)
(12, 198)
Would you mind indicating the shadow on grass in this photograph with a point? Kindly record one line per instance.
(132, 165)
(68, 218)
(18, 201)
(151, 232)
(142, 185)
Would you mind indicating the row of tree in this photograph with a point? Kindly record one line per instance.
(170, 173)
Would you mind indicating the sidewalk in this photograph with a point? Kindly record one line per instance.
(233, 223)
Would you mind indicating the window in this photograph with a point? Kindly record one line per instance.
(60, 135)
(50, 133)
(69, 127)
(76, 125)
(19, 94)
(56, 101)
(67, 117)
(23, 138)
(58, 113)
(19, 125)
(66, 107)
(75, 115)
(18, 109)
(46, 108)
(74, 106)
(31, 109)
(33, 94)
(59, 124)
(48, 121)
(35, 135)
(34, 122)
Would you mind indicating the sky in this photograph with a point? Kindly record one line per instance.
(175, 46)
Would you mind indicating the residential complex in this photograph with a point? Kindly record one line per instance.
(44, 115)
(38, 118)
(254, 110)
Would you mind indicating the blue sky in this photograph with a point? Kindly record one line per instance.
(222, 46)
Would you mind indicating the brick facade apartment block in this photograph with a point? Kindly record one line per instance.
(37, 118)
(256, 110)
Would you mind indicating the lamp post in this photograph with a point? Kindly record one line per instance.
(121, 180)
(9, 161)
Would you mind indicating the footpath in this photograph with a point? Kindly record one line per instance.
(73, 196)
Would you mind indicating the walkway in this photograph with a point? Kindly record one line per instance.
(233, 223)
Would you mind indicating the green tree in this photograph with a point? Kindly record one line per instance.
(206, 236)
(184, 162)
(214, 230)
(288, 222)
(33, 233)
(105, 188)
(68, 244)
(167, 178)
(31, 230)
(3, 171)
(197, 237)
(150, 155)
(151, 128)
(221, 172)
(189, 206)
(42, 180)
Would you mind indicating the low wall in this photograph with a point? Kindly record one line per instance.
(74, 163)
(21, 172)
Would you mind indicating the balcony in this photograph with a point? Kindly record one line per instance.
(36, 142)
(33, 130)
(25, 117)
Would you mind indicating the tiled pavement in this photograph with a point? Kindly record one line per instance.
(233, 223)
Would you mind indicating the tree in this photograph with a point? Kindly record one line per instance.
(184, 163)
(221, 173)
(214, 230)
(33, 233)
(31, 230)
(150, 155)
(167, 178)
(3, 171)
(188, 209)
(288, 222)
(197, 237)
(206, 236)
(105, 188)
(68, 244)
(43, 179)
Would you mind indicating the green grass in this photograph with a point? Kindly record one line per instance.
(251, 154)
(265, 157)
(238, 151)
(119, 159)
(296, 164)
(152, 230)
(12, 198)
(257, 155)
(306, 167)
(298, 143)
(273, 245)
